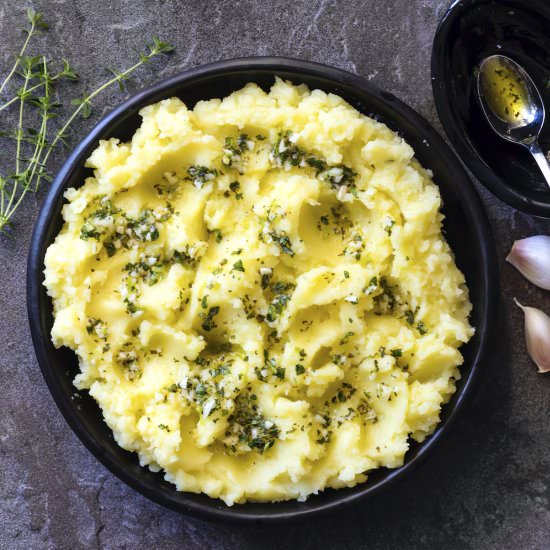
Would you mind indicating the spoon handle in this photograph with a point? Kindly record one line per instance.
(541, 159)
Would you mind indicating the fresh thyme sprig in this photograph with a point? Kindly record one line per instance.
(34, 145)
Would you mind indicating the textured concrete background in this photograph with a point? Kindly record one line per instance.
(488, 486)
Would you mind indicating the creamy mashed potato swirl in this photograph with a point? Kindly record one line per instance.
(259, 294)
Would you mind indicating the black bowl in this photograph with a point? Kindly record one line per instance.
(466, 227)
(470, 31)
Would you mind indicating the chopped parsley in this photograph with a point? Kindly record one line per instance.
(248, 430)
(285, 153)
(96, 327)
(388, 226)
(366, 411)
(421, 327)
(318, 164)
(266, 274)
(200, 175)
(144, 228)
(281, 286)
(130, 231)
(209, 394)
(186, 257)
(372, 286)
(386, 301)
(127, 358)
(234, 148)
(88, 231)
(324, 434)
(217, 234)
(300, 369)
(410, 317)
(280, 373)
(344, 393)
(208, 318)
(149, 270)
(235, 186)
(283, 241)
(355, 246)
(238, 266)
(346, 337)
(270, 367)
(276, 307)
(168, 185)
(100, 220)
(338, 176)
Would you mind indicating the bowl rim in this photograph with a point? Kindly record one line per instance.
(443, 100)
(272, 64)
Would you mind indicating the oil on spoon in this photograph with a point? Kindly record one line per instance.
(513, 105)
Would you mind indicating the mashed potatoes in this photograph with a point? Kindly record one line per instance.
(259, 294)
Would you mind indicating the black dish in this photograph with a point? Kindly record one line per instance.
(470, 31)
(466, 227)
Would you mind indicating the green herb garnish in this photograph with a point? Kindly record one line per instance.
(276, 307)
(217, 234)
(238, 266)
(208, 318)
(200, 175)
(421, 327)
(283, 241)
(248, 429)
(346, 337)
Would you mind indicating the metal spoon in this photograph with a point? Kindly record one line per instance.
(513, 105)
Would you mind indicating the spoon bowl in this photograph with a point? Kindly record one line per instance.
(512, 105)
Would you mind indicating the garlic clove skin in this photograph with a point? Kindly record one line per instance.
(537, 336)
(531, 257)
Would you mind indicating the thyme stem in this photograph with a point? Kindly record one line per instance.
(20, 128)
(60, 134)
(30, 33)
(38, 149)
(29, 90)
(37, 75)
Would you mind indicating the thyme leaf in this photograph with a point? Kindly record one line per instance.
(32, 81)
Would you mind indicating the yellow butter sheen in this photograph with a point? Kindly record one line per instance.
(259, 294)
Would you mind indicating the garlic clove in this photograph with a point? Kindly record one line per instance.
(537, 336)
(531, 257)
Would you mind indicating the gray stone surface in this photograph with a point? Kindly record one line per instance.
(486, 487)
